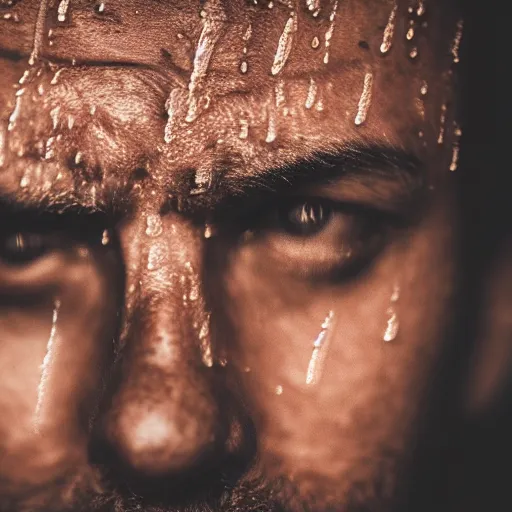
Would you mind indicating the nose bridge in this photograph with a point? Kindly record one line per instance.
(163, 260)
(163, 415)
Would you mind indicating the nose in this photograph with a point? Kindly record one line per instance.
(163, 418)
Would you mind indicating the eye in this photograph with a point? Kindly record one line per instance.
(20, 248)
(317, 238)
(29, 239)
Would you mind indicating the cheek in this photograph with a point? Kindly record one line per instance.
(328, 412)
(52, 352)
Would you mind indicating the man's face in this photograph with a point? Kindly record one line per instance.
(226, 249)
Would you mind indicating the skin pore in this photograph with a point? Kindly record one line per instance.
(229, 268)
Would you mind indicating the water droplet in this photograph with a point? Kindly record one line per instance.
(213, 23)
(365, 100)
(392, 325)
(424, 88)
(455, 158)
(243, 67)
(105, 237)
(420, 11)
(285, 44)
(392, 322)
(100, 8)
(313, 5)
(205, 343)
(62, 10)
(330, 31)
(279, 390)
(50, 153)
(12, 17)
(25, 181)
(389, 31)
(248, 33)
(16, 111)
(55, 78)
(456, 41)
(244, 128)
(442, 122)
(270, 5)
(272, 124)
(208, 231)
(410, 33)
(203, 180)
(25, 76)
(311, 97)
(54, 114)
(173, 105)
(413, 53)
(320, 348)
(154, 225)
(315, 43)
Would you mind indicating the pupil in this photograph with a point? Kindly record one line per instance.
(21, 248)
(307, 218)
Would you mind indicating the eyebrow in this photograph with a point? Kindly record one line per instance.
(368, 164)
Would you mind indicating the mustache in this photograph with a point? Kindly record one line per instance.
(90, 490)
(254, 494)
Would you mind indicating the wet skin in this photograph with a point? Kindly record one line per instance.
(170, 253)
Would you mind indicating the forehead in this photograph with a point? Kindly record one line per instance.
(176, 83)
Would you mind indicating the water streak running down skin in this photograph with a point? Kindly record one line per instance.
(442, 121)
(330, 31)
(389, 31)
(285, 44)
(456, 41)
(62, 10)
(311, 97)
(173, 104)
(365, 100)
(214, 19)
(272, 123)
(320, 349)
(456, 148)
(392, 322)
(45, 366)
(39, 32)
(205, 342)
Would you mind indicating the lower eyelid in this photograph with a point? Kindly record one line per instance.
(33, 275)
